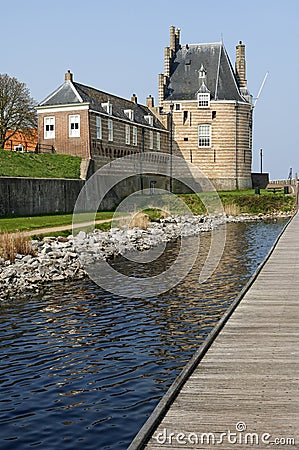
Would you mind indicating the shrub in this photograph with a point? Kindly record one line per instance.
(12, 244)
(140, 220)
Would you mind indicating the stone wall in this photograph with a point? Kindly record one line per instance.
(37, 196)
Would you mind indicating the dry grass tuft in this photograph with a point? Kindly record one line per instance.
(140, 220)
(231, 209)
(12, 244)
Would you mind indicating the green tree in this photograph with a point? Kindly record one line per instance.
(17, 109)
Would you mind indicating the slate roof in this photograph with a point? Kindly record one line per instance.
(184, 83)
(71, 92)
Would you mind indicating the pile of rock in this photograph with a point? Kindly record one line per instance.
(59, 259)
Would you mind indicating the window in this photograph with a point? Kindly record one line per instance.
(49, 127)
(177, 107)
(107, 107)
(110, 130)
(204, 100)
(74, 125)
(149, 119)
(128, 131)
(158, 142)
(99, 127)
(135, 136)
(185, 116)
(129, 113)
(151, 140)
(204, 136)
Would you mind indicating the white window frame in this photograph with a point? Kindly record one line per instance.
(134, 137)
(151, 140)
(158, 141)
(203, 100)
(99, 127)
(49, 127)
(204, 135)
(74, 125)
(107, 107)
(110, 130)
(149, 119)
(129, 113)
(127, 134)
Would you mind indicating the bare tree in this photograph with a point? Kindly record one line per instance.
(17, 109)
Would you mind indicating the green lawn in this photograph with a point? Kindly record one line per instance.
(15, 164)
(234, 202)
(12, 224)
(238, 202)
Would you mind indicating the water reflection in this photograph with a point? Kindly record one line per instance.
(82, 368)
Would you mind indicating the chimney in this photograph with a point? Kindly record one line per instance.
(150, 101)
(166, 61)
(161, 88)
(134, 98)
(68, 76)
(172, 40)
(241, 65)
(177, 38)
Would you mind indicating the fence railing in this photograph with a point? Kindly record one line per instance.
(290, 181)
(44, 148)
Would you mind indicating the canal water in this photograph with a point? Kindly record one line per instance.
(83, 369)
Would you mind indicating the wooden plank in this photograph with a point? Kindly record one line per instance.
(249, 375)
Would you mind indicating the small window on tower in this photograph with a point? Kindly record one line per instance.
(204, 100)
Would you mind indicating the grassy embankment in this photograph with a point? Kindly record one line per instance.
(65, 166)
(15, 164)
(240, 202)
(234, 202)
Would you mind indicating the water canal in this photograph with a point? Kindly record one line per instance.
(83, 369)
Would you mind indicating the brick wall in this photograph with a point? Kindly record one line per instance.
(229, 156)
(77, 146)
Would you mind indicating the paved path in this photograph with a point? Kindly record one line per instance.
(62, 228)
(249, 376)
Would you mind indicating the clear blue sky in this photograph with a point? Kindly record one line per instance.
(117, 46)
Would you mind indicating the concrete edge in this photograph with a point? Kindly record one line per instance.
(148, 428)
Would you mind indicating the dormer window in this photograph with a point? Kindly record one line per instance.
(203, 100)
(107, 107)
(202, 73)
(129, 113)
(149, 119)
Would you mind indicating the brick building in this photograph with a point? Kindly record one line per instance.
(83, 121)
(212, 109)
(203, 102)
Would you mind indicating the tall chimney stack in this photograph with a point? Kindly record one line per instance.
(166, 61)
(172, 40)
(161, 88)
(177, 38)
(241, 65)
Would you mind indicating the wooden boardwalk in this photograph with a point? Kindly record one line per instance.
(247, 384)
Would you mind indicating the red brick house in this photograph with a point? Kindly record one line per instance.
(83, 121)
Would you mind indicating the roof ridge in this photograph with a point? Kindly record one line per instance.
(107, 93)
